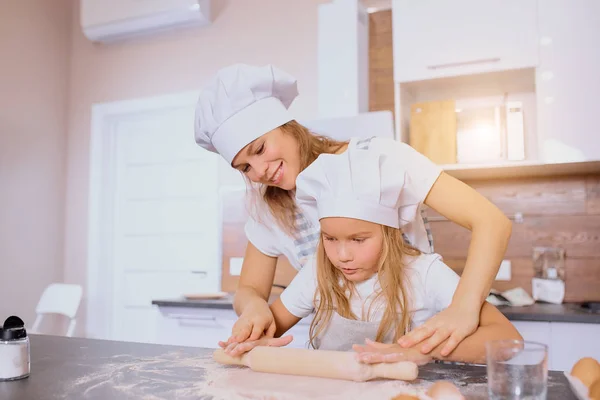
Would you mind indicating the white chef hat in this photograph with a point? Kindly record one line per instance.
(358, 184)
(240, 104)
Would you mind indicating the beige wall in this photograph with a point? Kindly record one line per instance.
(282, 32)
(34, 67)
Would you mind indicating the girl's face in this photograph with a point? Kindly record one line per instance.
(273, 159)
(353, 246)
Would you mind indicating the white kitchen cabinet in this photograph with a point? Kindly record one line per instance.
(205, 327)
(539, 332)
(434, 39)
(534, 331)
(567, 341)
(195, 327)
(571, 341)
(567, 81)
(343, 58)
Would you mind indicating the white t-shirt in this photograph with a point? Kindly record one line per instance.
(420, 175)
(430, 286)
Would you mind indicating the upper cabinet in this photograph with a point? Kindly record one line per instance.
(568, 80)
(343, 59)
(434, 39)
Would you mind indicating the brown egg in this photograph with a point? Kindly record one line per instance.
(405, 397)
(587, 370)
(595, 390)
(444, 390)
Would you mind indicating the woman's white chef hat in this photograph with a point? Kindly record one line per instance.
(240, 104)
(358, 184)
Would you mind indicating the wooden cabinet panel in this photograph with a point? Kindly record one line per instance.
(579, 235)
(592, 186)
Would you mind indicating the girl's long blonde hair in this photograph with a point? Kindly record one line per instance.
(334, 290)
(282, 203)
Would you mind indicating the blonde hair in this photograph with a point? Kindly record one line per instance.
(281, 202)
(334, 290)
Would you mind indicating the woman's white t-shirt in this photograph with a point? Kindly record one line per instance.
(420, 175)
(430, 286)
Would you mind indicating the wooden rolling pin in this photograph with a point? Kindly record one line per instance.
(318, 363)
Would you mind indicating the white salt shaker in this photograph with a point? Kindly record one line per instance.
(14, 350)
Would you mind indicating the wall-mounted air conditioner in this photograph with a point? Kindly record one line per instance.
(113, 20)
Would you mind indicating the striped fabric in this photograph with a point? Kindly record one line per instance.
(427, 229)
(363, 144)
(307, 239)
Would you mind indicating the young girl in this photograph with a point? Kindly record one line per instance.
(366, 282)
(243, 115)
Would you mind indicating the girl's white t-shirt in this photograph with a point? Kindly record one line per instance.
(420, 175)
(430, 286)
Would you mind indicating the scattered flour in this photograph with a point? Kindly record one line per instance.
(178, 376)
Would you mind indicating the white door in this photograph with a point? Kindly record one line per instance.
(161, 217)
(434, 39)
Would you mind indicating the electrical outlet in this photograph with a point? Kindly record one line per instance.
(504, 273)
(235, 266)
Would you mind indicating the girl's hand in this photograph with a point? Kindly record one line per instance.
(454, 323)
(237, 349)
(375, 352)
(255, 322)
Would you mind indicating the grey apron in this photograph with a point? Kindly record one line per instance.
(342, 333)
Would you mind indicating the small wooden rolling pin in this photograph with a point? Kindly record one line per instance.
(318, 363)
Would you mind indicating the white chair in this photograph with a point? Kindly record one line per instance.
(59, 298)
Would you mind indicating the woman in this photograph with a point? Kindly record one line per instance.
(242, 114)
(366, 283)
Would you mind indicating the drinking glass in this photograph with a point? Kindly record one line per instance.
(517, 370)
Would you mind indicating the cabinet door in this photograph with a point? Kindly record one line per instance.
(195, 327)
(343, 59)
(539, 332)
(534, 331)
(571, 341)
(567, 81)
(434, 39)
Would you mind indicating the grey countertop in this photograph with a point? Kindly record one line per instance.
(551, 313)
(77, 368)
(536, 312)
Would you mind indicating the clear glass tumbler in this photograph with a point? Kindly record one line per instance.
(517, 370)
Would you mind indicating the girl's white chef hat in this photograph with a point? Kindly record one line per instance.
(358, 184)
(240, 104)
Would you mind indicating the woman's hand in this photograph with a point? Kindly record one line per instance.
(255, 322)
(237, 349)
(454, 324)
(375, 352)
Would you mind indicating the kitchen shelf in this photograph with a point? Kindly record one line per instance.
(520, 169)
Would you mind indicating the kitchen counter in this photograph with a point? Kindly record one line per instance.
(77, 368)
(536, 312)
(545, 312)
(225, 303)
